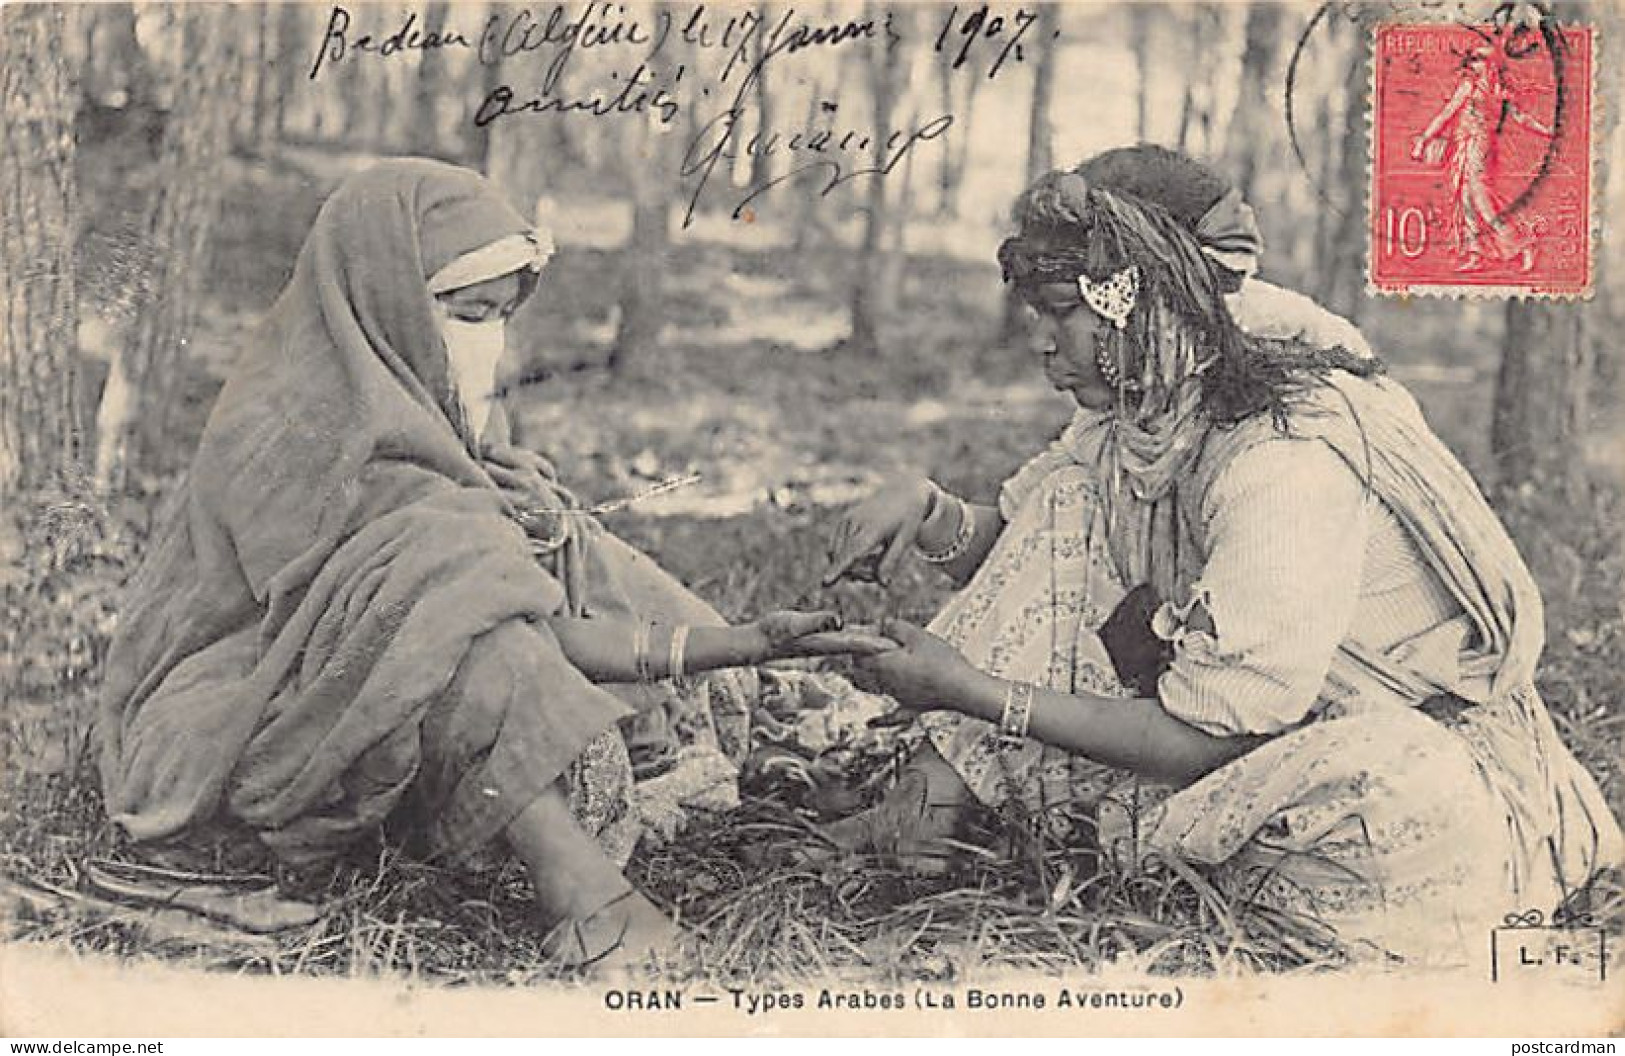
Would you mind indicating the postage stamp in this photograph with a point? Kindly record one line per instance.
(1481, 163)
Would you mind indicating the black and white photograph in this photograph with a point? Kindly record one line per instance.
(646, 517)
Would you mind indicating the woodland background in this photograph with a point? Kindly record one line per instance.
(162, 164)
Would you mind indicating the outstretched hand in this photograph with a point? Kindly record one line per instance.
(798, 635)
(873, 537)
(922, 671)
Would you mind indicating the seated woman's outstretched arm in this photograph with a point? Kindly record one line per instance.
(1138, 735)
(619, 650)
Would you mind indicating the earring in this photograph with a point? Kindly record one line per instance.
(1107, 362)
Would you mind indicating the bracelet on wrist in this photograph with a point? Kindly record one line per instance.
(640, 650)
(1017, 714)
(964, 533)
(676, 657)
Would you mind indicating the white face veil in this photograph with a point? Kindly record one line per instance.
(474, 350)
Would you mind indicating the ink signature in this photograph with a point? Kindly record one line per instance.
(823, 155)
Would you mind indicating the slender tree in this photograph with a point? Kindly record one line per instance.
(141, 390)
(1247, 141)
(761, 165)
(285, 61)
(1342, 258)
(873, 292)
(1537, 432)
(264, 76)
(429, 87)
(1139, 16)
(1040, 133)
(38, 441)
(1553, 354)
(650, 160)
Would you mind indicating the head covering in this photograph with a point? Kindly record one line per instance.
(1205, 202)
(336, 550)
(1177, 330)
(1199, 197)
(522, 252)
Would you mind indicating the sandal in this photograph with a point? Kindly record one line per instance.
(251, 904)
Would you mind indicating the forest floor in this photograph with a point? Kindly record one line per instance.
(751, 388)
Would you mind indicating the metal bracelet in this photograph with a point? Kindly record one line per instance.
(1017, 715)
(963, 534)
(640, 650)
(677, 658)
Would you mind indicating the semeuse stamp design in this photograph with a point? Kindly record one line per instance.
(1481, 165)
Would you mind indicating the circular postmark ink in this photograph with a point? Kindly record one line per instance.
(1509, 39)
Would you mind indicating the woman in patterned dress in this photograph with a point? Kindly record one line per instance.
(1247, 573)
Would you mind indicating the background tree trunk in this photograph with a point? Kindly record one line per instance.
(289, 35)
(872, 292)
(761, 165)
(1342, 286)
(1139, 16)
(643, 258)
(1245, 144)
(1040, 137)
(429, 88)
(141, 388)
(265, 43)
(1537, 432)
(38, 410)
(652, 155)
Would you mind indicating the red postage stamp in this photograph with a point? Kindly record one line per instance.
(1481, 167)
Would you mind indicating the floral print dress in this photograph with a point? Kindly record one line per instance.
(1406, 832)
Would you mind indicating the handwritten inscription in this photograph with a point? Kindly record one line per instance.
(697, 62)
(832, 154)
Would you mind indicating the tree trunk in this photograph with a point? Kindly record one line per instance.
(38, 401)
(1140, 41)
(115, 65)
(484, 145)
(1245, 139)
(811, 231)
(259, 124)
(429, 88)
(947, 181)
(638, 327)
(872, 293)
(955, 155)
(1541, 396)
(140, 393)
(761, 166)
(289, 39)
(1342, 287)
(648, 165)
(1040, 136)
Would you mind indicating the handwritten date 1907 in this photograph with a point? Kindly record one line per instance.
(982, 29)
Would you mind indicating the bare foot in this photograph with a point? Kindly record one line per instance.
(621, 935)
(596, 918)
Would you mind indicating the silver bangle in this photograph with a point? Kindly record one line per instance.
(640, 650)
(679, 646)
(1017, 715)
(963, 534)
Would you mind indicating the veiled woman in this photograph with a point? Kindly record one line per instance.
(356, 612)
(1247, 573)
